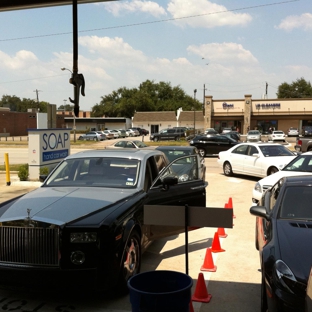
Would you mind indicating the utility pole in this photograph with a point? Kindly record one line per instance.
(37, 94)
(194, 109)
(266, 90)
(204, 100)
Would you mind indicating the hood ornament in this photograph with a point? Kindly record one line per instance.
(28, 221)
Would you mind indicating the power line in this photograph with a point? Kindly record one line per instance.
(151, 22)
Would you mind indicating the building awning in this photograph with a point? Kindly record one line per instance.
(9, 5)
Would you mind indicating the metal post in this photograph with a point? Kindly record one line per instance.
(194, 109)
(74, 127)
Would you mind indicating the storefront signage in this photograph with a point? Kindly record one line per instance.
(268, 105)
(227, 106)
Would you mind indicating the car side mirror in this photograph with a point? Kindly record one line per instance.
(255, 155)
(259, 211)
(169, 181)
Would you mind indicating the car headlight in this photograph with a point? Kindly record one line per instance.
(83, 237)
(258, 187)
(285, 276)
(183, 177)
(191, 142)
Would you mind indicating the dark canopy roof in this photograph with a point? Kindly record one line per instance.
(7, 5)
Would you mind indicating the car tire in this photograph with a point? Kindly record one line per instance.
(272, 170)
(156, 139)
(95, 139)
(227, 169)
(130, 262)
(201, 152)
(264, 300)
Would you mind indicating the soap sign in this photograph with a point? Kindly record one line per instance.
(55, 145)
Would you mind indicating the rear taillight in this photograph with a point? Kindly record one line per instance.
(299, 142)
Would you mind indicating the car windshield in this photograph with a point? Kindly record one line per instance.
(296, 203)
(275, 150)
(96, 171)
(302, 163)
(140, 144)
(172, 155)
(253, 133)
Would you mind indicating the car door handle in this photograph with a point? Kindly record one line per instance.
(200, 186)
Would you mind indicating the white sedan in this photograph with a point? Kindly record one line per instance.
(302, 165)
(277, 135)
(255, 159)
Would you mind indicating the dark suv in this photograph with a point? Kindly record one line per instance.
(212, 145)
(168, 134)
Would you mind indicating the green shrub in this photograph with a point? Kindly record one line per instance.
(44, 171)
(23, 172)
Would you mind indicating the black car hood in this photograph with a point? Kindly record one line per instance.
(295, 240)
(60, 205)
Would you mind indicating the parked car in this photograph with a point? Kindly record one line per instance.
(277, 135)
(127, 144)
(140, 130)
(301, 165)
(168, 134)
(116, 133)
(255, 159)
(293, 132)
(253, 136)
(84, 225)
(225, 130)
(211, 131)
(307, 131)
(212, 145)
(109, 135)
(283, 237)
(92, 135)
(133, 132)
(232, 135)
(122, 133)
(174, 152)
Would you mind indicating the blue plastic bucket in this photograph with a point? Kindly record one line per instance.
(160, 291)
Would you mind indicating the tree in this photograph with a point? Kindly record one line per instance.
(17, 105)
(149, 96)
(297, 89)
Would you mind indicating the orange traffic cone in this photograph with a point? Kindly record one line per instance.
(221, 233)
(216, 247)
(230, 205)
(201, 292)
(191, 307)
(208, 262)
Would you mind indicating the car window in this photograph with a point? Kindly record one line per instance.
(185, 169)
(120, 144)
(296, 203)
(240, 150)
(252, 150)
(275, 150)
(96, 171)
(274, 195)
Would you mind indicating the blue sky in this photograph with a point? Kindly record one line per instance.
(231, 47)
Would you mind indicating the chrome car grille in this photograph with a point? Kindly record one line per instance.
(24, 246)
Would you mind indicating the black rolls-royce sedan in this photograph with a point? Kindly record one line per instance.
(85, 223)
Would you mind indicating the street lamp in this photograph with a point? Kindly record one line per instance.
(194, 108)
(63, 68)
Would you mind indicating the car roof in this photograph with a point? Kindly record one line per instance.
(261, 143)
(179, 148)
(123, 153)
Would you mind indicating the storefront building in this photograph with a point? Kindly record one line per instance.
(248, 114)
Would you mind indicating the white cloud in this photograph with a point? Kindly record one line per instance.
(226, 53)
(303, 21)
(214, 15)
(22, 59)
(117, 8)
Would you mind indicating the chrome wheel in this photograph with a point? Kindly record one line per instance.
(131, 261)
(227, 169)
(155, 140)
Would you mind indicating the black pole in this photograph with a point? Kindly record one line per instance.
(186, 239)
(75, 37)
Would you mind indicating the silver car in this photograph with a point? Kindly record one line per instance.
(253, 136)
